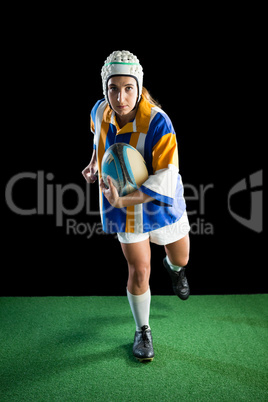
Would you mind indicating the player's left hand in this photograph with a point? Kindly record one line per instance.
(110, 193)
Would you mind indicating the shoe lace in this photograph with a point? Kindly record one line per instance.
(183, 277)
(145, 337)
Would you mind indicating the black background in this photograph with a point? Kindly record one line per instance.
(207, 81)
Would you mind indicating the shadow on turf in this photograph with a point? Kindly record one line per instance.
(45, 362)
(128, 354)
(232, 371)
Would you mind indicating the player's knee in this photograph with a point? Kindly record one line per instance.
(139, 273)
(184, 261)
(181, 260)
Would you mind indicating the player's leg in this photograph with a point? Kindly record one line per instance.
(178, 252)
(138, 256)
(175, 262)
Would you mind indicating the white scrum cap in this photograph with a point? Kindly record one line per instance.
(121, 63)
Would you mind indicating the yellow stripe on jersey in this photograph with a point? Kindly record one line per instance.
(102, 141)
(134, 139)
(165, 152)
(130, 219)
(92, 127)
(143, 116)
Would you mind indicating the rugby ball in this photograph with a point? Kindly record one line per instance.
(126, 167)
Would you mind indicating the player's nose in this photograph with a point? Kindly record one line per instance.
(120, 97)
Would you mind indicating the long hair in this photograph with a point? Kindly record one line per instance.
(149, 98)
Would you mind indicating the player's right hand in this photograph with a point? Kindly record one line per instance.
(89, 173)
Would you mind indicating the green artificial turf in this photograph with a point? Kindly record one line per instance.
(208, 348)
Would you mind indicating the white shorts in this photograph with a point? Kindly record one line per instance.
(165, 235)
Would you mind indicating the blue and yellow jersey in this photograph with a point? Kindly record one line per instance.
(152, 134)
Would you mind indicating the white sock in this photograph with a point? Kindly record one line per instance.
(140, 307)
(172, 266)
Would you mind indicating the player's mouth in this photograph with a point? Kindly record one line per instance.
(122, 107)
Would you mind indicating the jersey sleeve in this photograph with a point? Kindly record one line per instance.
(161, 185)
(93, 120)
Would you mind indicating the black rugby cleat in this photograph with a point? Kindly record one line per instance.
(179, 281)
(143, 344)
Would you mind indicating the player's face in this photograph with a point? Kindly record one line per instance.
(123, 94)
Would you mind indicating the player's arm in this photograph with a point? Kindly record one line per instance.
(161, 185)
(135, 198)
(90, 171)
